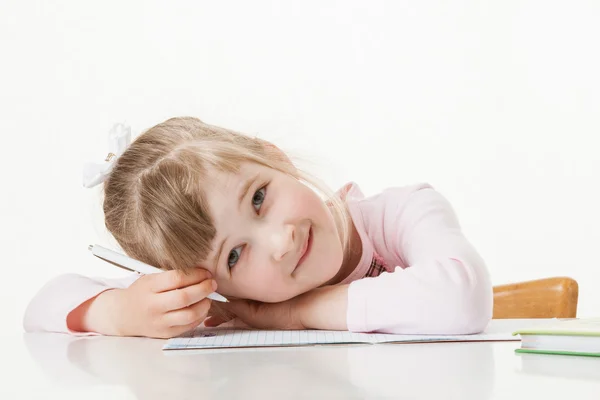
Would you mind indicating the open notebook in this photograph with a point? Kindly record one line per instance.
(235, 338)
(214, 338)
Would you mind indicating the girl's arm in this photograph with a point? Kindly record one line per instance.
(49, 309)
(160, 305)
(445, 288)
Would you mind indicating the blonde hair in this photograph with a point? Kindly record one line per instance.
(155, 197)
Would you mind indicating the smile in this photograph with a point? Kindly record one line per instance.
(305, 248)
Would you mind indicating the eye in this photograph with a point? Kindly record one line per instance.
(259, 198)
(234, 256)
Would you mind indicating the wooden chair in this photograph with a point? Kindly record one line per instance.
(543, 298)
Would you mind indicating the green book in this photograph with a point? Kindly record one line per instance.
(580, 337)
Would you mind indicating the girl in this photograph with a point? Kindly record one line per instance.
(220, 210)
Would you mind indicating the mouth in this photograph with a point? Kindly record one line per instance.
(305, 248)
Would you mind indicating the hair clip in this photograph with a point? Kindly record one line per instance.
(119, 139)
(110, 156)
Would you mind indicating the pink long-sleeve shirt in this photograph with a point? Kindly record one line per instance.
(418, 273)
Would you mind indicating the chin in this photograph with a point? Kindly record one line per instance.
(279, 298)
(336, 264)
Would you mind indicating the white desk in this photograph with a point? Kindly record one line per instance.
(59, 366)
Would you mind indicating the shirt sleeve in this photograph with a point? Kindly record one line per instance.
(48, 309)
(442, 288)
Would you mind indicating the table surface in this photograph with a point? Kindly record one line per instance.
(61, 366)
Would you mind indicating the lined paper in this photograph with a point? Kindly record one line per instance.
(205, 338)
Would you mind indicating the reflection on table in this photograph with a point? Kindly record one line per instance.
(415, 371)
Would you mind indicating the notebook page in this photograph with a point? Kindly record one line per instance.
(232, 338)
(485, 337)
(219, 338)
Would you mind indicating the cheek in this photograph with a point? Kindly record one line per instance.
(261, 285)
(308, 204)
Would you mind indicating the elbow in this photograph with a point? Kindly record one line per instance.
(470, 319)
(471, 309)
(31, 314)
(42, 307)
(471, 298)
(29, 321)
(35, 312)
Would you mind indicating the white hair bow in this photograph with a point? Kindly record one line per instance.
(119, 139)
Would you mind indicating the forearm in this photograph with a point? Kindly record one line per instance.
(325, 308)
(47, 311)
(98, 315)
(437, 296)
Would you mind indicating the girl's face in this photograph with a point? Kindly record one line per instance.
(275, 237)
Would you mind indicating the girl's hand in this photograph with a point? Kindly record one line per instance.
(160, 305)
(284, 315)
(322, 308)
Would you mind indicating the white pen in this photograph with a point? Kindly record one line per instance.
(130, 264)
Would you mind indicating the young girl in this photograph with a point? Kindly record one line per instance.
(218, 210)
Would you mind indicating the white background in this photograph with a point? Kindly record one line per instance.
(496, 104)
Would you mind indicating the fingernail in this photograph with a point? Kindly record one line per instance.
(214, 285)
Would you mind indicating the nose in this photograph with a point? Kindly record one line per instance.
(282, 241)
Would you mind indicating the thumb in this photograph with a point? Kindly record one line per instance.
(236, 306)
(243, 309)
(216, 320)
(227, 312)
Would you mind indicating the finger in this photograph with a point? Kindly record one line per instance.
(182, 298)
(178, 330)
(188, 315)
(173, 331)
(170, 280)
(216, 320)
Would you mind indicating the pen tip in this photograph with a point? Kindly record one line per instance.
(90, 247)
